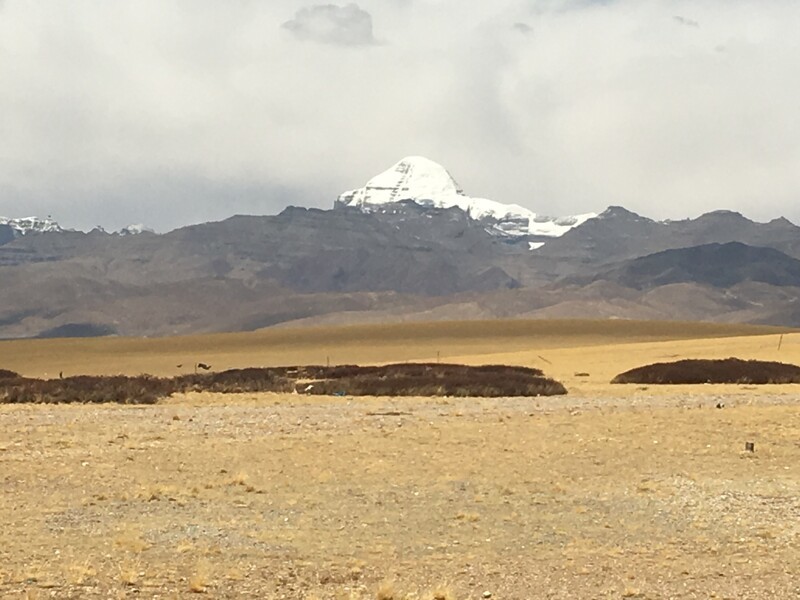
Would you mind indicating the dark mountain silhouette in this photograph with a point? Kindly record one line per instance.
(717, 265)
(407, 261)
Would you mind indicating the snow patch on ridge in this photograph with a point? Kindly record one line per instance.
(135, 229)
(429, 184)
(26, 225)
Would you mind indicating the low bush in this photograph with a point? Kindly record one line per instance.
(420, 379)
(84, 388)
(411, 379)
(236, 381)
(729, 370)
(6, 374)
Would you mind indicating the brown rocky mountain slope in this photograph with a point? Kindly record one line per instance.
(407, 263)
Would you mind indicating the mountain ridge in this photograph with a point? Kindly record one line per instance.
(14, 227)
(423, 257)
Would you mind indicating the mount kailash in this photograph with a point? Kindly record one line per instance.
(428, 184)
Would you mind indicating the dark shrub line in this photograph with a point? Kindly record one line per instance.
(435, 380)
(407, 379)
(6, 374)
(728, 370)
(84, 388)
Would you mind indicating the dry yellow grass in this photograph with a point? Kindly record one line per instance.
(490, 340)
(611, 492)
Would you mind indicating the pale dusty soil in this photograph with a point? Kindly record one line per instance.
(613, 493)
(609, 492)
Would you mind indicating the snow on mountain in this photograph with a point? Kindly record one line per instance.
(26, 225)
(135, 229)
(427, 183)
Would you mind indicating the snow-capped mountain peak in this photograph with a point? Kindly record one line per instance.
(26, 225)
(413, 178)
(429, 184)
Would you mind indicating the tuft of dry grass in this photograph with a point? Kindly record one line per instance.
(240, 478)
(129, 572)
(184, 547)
(200, 578)
(387, 590)
(80, 573)
(468, 517)
(441, 592)
(131, 540)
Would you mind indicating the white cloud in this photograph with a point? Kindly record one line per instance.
(182, 110)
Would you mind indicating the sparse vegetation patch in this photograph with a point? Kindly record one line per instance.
(85, 389)
(6, 374)
(728, 370)
(414, 379)
(433, 379)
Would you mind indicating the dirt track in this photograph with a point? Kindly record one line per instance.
(635, 493)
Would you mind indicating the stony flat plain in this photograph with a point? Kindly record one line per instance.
(609, 492)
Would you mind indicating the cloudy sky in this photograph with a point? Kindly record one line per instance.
(171, 112)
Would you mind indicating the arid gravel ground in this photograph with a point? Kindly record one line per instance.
(617, 493)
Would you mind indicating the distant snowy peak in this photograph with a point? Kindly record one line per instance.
(429, 184)
(135, 229)
(26, 225)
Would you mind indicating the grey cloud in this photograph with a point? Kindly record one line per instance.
(170, 113)
(523, 28)
(332, 24)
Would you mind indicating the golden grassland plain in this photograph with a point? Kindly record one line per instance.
(481, 341)
(609, 492)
